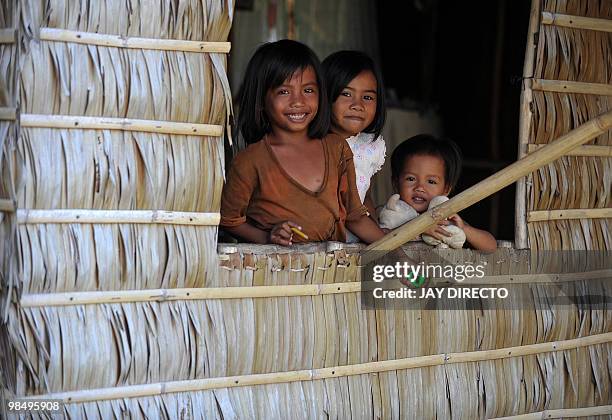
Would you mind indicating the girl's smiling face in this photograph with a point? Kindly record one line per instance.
(355, 108)
(421, 179)
(293, 105)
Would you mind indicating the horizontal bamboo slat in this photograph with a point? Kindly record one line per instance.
(576, 22)
(8, 35)
(544, 215)
(571, 87)
(7, 205)
(562, 413)
(32, 216)
(7, 114)
(104, 123)
(322, 373)
(253, 292)
(490, 185)
(595, 151)
(105, 40)
(162, 295)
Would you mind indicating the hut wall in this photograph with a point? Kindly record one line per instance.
(567, 83)
(111, 122)
(316, 353)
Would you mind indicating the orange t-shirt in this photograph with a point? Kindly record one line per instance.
(260, 192)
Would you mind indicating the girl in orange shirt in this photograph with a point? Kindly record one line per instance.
(295, 182)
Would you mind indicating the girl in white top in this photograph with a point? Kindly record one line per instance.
(355, 90)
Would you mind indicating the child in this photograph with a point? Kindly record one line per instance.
(424, 167)
(295, 182)
(355, 90)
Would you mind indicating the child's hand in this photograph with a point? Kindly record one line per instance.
(438, 231)
(458, 221)
(281, 233)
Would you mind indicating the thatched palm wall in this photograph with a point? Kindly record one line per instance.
(562, 50)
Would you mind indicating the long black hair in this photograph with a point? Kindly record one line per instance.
(341, 67)
(270, 66)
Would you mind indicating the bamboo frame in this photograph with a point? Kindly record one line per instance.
(253, 292)
(545, 215)
(8, 35)
(490, 185)
(520, 204)
(104, 123)
(7, 205)
(132, 391)
(598, 151)
(8, 114)
(562, 413)
(163, 295)
(561, 86)
(117, 41)
(576, 22)
(33, 216)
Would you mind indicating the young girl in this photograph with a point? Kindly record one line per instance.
(424, 167)
(356, 92)
(295, 182)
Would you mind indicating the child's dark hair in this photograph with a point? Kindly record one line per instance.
(425, 144)
(270, 66)
(341, 67)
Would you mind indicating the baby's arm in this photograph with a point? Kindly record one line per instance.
(478, 238)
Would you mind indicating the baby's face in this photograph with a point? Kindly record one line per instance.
(421, 179)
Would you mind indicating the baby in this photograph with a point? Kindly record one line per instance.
(424, 171)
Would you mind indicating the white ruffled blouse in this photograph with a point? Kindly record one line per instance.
(369, 158)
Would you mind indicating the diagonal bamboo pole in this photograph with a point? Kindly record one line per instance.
(490, 185)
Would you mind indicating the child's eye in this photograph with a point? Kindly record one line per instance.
(369, 98)
(309, 90)
(433, 181)
(346, 93)
(282, 92)
(410, 178)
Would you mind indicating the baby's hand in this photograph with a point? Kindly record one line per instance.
(458, 221)
(438, 231)
(281, 233)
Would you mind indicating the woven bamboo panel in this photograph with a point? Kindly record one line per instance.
(159, 104)
(176, 342)
(569, 54)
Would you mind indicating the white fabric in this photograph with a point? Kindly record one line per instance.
(397, 212)
(369, 157)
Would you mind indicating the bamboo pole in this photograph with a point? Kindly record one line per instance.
(7, 114)
(7, 205)
(559, 413)
(544, 215)
(596, 151)
(163, 295)
(576, 22)
(104, 123)
(104, 40)
(254, 292)
(8, 35)
(33, 216)
(560, 86)
(490, 185)
(132, 391)
(526, 116)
